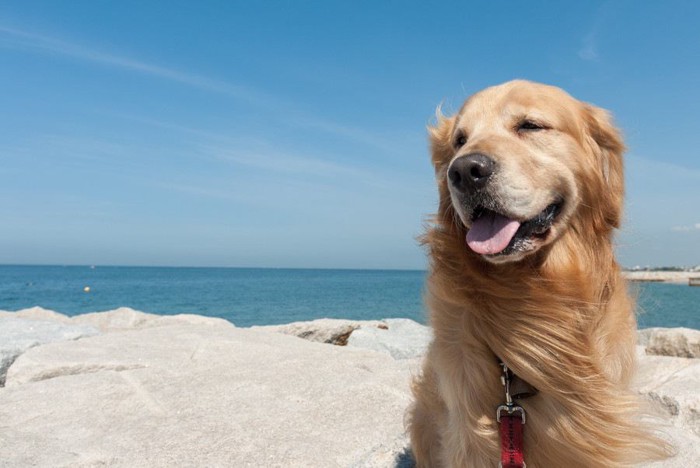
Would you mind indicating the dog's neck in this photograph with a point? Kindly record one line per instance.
(546, 304)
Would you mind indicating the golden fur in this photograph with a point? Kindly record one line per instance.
(558, 315)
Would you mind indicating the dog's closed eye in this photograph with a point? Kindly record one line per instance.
(527, 125)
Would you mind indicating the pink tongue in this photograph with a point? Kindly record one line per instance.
(491, 233)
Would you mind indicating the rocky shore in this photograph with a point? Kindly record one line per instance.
(125, 388)
(656, 276)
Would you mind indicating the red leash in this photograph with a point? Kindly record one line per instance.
(511, 418)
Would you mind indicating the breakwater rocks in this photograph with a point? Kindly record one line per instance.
(124, 388)
(679, 277)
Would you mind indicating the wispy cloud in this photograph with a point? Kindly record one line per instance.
(589, 50)
(672, 171)
(351, 133)
(17, 39)
(202, 191)
(249, 151)
(260, 153)
(274, 161)
(694, 227)
(73, 152)
(21, 40)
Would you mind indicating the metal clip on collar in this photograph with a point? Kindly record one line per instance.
(511, 430)
(509, 407)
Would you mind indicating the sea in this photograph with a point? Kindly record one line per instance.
(265, 296)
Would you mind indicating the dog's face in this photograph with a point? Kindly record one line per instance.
(518, 162)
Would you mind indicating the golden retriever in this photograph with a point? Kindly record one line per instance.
(523, 271)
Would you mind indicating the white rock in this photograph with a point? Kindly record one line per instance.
(325, 330)
(401, 338)
(643, 337)
(193, 391)
(198, 395)
(19, 334)
(672, 384)
(36, 313)
(680, 342)
(125, 318)
(687, 448)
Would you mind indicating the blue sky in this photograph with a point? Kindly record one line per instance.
(292, 134)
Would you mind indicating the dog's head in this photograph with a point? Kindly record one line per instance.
(521, 163)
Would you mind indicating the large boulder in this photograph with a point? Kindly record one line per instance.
(35, 326)
(36, 313)
(196, 391)
(125, 318)
(203, 395)
(17, 335)
(679, 342)
(671, 385)
(401, 338)
(325, 330)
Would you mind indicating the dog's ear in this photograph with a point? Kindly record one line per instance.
(440, 139)
(442, 151)
(605, 141)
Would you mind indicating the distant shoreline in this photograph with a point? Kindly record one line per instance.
(678, 277)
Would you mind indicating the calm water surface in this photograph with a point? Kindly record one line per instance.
(248, 296)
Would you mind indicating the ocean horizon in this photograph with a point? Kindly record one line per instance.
(264, 296)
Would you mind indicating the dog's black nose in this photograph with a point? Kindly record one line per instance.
(471, 172)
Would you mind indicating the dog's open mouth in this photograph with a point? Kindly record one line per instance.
(492, 233)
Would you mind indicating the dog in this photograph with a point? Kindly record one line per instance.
(522, 272)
